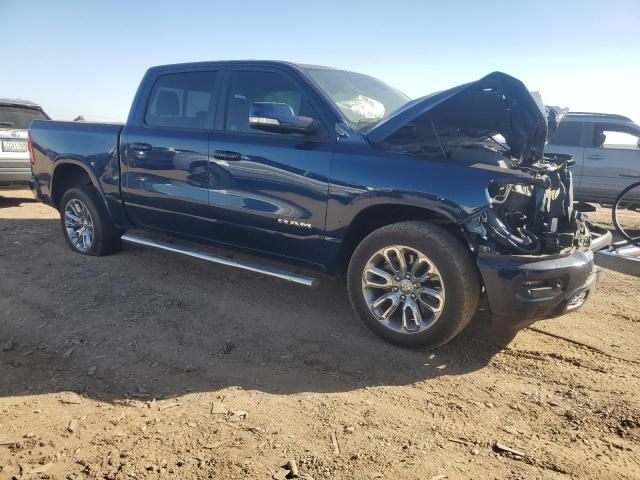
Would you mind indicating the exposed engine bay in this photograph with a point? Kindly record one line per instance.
(532, 216)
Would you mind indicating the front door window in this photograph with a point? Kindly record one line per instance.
(615, 137)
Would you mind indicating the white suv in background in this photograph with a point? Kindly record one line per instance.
(606, 149)
(15, 116)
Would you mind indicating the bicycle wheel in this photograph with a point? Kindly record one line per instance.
(626, 211)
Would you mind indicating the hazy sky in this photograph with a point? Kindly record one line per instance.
(86, 57)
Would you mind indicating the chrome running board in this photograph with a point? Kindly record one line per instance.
(190, 252)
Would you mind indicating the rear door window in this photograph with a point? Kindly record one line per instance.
(19, 117)
(183, 100)
(568, 133)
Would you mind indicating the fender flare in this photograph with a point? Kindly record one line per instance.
(78, 163)
(454, 213)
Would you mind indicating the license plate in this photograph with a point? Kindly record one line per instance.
(14, 146)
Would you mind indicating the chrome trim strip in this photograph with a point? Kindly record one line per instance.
(272, 272)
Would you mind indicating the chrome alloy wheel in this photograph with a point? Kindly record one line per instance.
(403, 289)
(79, 225)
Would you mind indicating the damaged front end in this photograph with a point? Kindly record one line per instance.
(531, 216)
(529, 207)
(533, 249)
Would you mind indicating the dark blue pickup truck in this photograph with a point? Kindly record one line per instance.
(431, 207)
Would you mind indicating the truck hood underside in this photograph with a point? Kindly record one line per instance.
(468, 114)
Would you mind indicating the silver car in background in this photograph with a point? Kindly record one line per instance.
(15, 116)
(606, 149)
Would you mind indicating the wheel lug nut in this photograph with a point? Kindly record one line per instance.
(397, 279)
(402, 297)
(395, 289)
(417, 285)
(407, 276)
(413, 295)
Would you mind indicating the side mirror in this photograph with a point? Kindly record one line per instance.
(278, 117)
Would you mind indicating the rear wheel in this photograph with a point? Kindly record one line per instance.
(413, 284)
(86, 223)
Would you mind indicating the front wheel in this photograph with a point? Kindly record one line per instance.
(86, 224)
(413, 284)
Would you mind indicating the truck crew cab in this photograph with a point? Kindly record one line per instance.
(428, 206)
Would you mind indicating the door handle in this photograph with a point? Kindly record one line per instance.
(226, 155)
(140, 147)
(595, 156)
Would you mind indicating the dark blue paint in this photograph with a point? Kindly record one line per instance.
(170, 180)
(92, 147)
(165, 186)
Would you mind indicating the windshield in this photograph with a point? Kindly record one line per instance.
(19, 117)
(363, 100)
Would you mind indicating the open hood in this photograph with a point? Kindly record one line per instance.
(468, 114)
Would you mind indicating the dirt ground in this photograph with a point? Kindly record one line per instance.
(150, 365)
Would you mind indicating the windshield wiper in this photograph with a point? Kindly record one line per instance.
(6, 124)
(504, 147)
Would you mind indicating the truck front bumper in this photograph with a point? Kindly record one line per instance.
(523, 289)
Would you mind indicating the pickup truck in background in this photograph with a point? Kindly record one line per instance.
(414, 200)
(606, 152)
(15, 116)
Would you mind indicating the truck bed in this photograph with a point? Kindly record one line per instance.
(60, 148)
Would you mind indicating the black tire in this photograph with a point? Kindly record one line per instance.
(106, 237)
(457, 271)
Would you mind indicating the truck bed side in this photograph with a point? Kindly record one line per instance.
(65, 150)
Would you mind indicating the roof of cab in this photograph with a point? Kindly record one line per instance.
(18, 102)
(217, 63)
(226, 62)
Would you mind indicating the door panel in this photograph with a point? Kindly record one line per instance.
(167, 176)
(274, 196)
(165, 172)
(607, 171)
(609, 167)
(269, 191)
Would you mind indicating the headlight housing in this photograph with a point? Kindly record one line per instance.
(498, 192)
